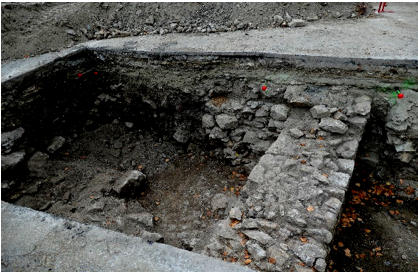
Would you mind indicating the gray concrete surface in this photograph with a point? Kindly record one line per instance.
(36, 241)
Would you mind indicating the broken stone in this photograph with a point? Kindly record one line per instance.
(332, 125)
(279, 112)
(296, 133)
(278, 254)
(278, 19)
(37, 162)
(150, 20)
(333, 205)
(296, 96)
(358, 121)
(348, 149)
(339, 179)
(150, 236)
(406, 157)
(56, 144)
(129, 124)
(235, 213)
(256, 251)
(217, 133)
(297, 23)
(250, 137)
(362, 108)
(219, 201)
(97, 207)
(320, 265)
(129, 182)
(262, 112)
(208, 121)
(10, 161)
(340, 116)
(321, 235)
(181, 135)
(257, 174)
(320, 111)
(259, 236)
(346, 166)
(8, 139)
(144, 218)
(309, 252)
(406, 147)
(295, 217)
(225, 121)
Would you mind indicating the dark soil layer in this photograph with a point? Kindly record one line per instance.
(378, 230)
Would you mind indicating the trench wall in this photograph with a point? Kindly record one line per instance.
(307, 126)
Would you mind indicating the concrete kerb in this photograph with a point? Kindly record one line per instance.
(42, 241)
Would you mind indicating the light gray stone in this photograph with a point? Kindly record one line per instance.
(333, 205)
(320, 265)
(278, 19)
(217, 133)
(295, 217)
(275, 124)
(332, 125)
(278, 254)
(406, 147)
(208, 121)
(340, 116)
(321, 235)
(226, 121)
(348, 150)
(129, 182)
(406, 157)
(346, 166)
(357, 121)
(362, 108)
(223, 230)
(250, 137)
(309, 252)
(56, 144)
(279, 112)
(235, 213)
(144, 218)
(151, 236)
(219, 201)
(263, 111)
(181, 135)
(259, 236)
(296, 133)
(10, 161)
(256, 251)
(299, 268)
(339, 179)
(8, 139)
(257, 175)
(320, 111)
(297, 23)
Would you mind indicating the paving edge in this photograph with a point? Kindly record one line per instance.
(44, 241)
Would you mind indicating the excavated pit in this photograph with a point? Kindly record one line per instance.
(161, 146)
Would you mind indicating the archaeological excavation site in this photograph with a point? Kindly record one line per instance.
(120, 158)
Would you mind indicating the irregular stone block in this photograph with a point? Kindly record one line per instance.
(56, 144)
(279, 112)
(219, 201)
(181, 135)
(346, 166)
(217, 133)
(357, 121)
(278, 254)
(10, 161)
(296, 133)
(339, 179)
(340, 116)
(348, 150)
(297, 23)
(37, 162)
(129, 182)
(296, 96)
(225, 121)
(262, 112)
(308, 253)
(320, 265)
(333, 205)
(321, 235)
(256, 251)
(250, 137)
(208, 121)
(320, 111)
(144, 218)
(150, 236)
(259, 236)
(406, 157)
(257, 174)
(406, 147)
(8, 139)
(332, 125)
(362, 108)
(235, 213)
